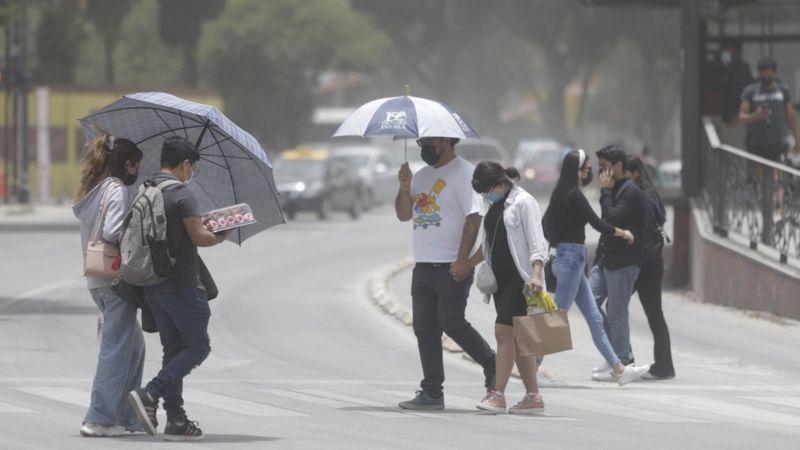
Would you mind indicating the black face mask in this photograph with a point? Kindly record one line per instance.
(429, 154)
(129, 179)
(588, 179)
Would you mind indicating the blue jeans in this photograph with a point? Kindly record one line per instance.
(616, 286)
(119, 364)
(573, 287)
(181, 314)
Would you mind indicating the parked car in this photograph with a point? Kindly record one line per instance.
(314, 180)
(374, 167)
(484, 149)
(539, 163)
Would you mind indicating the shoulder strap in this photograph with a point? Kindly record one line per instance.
(624, 186)
(169, 182)
(496, 226)
(103, 207)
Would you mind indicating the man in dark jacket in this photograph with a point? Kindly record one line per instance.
(618, 262)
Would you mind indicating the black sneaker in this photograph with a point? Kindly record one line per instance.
(186, 431)
(145, 407)
(424, 402)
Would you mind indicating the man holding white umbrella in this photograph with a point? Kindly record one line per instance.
(446, 214)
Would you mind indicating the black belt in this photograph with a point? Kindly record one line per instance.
(425, 264)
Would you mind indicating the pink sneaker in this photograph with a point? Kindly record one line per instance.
(530, 404)
(493, 402)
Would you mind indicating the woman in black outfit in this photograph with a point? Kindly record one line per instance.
(649, 282)
(564, 223)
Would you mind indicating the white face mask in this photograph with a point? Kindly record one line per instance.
(726, 57)
(189, 180)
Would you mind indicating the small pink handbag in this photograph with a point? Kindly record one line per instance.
(102, 258)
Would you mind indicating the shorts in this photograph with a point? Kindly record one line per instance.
(509, 301)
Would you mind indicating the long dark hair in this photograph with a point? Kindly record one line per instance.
(635, 164)
(558, 207)
(489, 174)
(105, 157)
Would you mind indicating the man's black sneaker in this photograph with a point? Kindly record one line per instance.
(186, 431)
(145, 407)
(423, 402)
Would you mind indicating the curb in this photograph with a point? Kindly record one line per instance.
(380, 294)
(32, 227)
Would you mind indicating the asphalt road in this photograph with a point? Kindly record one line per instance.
(301, 359)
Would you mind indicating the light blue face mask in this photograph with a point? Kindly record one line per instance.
(492, 197)
(189, 180)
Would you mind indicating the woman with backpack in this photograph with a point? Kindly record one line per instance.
(564, 223)
(110, 164)
(648, 284)
(515, 251)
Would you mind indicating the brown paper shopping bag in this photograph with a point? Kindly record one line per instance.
(542, 334)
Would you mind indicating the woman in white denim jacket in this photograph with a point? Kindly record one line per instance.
(515, 249)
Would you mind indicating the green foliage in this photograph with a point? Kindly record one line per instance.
(264, 58)
(107, 16)
(59, 36)
(180, 23)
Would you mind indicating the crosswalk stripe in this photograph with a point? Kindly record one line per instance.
(66, 395)
(14, 409)
(317, 400)
(722, 408)
(612, 407)
(793, 402)
(237, 405)
(350, 401)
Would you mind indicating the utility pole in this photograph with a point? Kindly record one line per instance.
(23, 195)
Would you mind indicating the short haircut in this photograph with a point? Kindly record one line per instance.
(767, 63)
(177, 149)
(613, 154)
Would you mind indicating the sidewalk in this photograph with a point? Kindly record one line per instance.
(710, 343)
(37, 218)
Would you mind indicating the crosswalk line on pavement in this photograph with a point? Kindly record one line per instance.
(793, 402)
(613, 408)
(322, 401)
(13, 409)
(720, 408)
(237, 405)
(350, 401)
(65, 395)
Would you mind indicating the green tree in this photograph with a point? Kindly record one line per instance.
(107, 17)
(265, 57)
(59, 37)
(180, 23)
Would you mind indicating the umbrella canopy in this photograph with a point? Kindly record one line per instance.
(406, 117)
(233, 168)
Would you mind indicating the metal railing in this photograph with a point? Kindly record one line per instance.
(750, 198)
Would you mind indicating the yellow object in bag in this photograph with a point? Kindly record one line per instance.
(541, 300)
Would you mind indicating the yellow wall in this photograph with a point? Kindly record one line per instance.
(66, 107)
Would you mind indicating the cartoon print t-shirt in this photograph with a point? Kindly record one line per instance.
(443, 198)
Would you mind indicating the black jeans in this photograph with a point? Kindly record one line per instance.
(649, 286)
(439, 304)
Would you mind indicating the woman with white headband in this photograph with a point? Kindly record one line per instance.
(564, 225)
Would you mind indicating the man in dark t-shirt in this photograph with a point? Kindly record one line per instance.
(767, 110)
(179, 304)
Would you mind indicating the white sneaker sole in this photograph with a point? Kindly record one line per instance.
(181, 438)
(491, 409)
(527, 411)
(101, 434)
(141, 413)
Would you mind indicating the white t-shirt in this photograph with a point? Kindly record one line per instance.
(443, 198)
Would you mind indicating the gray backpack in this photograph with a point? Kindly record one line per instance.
(144, 254)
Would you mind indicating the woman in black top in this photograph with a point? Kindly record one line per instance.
(649, 282)
(564, 222)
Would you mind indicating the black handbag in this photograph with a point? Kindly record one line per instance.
(135, 296)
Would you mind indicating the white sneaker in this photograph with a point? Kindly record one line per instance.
(605, 367)
(545, 380)
(606, 376)
(91, 429)
(632, 373)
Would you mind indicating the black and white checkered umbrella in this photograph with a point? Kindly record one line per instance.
(233, 168)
